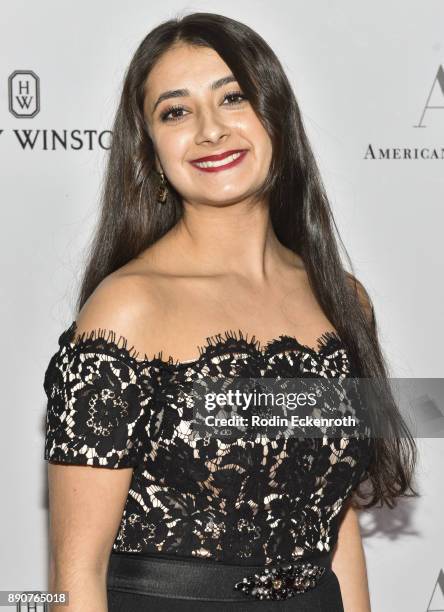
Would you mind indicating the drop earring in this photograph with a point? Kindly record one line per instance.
(163, 189)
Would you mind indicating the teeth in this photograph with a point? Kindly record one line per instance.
(221, 162)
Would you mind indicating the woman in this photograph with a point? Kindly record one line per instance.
(215, 226)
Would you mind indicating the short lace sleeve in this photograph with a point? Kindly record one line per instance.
(98, 401)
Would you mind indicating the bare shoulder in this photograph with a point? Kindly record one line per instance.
(128, 302)
(363, 296)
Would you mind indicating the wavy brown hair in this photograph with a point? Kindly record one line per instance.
(131, 218)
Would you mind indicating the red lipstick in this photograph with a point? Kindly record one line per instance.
(239, 156)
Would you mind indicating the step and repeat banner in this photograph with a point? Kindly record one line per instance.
(369, 79)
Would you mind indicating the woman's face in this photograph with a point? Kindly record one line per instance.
(209, 118)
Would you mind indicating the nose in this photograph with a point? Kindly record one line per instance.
(210, 128)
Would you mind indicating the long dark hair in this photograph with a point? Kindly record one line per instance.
(132, 219)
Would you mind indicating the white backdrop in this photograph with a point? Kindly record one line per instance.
(362, 73)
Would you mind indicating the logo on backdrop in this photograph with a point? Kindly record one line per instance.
(434, 101)
(24, 103)
(436, 603)
(24, 93)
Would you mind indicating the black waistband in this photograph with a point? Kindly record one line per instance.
(204, 579)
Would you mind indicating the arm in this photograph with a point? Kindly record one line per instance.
(348, 560)
(86, 501)
(85, 506)
(364, 300)
(349, 564)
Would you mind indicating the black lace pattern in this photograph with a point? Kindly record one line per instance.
(242, 502)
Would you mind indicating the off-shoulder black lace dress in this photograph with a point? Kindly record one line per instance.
(238, 503)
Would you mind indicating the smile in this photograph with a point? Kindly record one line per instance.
(221, 164)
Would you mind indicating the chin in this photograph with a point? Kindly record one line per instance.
(222, 201)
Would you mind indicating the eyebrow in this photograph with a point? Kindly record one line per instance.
(179, 93)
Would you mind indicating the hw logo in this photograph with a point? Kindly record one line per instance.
(435, 98)
(24, 93)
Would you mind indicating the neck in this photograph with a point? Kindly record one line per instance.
(233, 239)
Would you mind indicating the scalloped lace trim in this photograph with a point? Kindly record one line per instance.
(223, 342)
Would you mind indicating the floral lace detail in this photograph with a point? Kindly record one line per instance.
(97, 399)
(243, 501)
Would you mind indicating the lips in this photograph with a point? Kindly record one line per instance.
(217, 157)
(223, 161)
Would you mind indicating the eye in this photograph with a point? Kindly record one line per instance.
(232, 95)
(176, 108)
